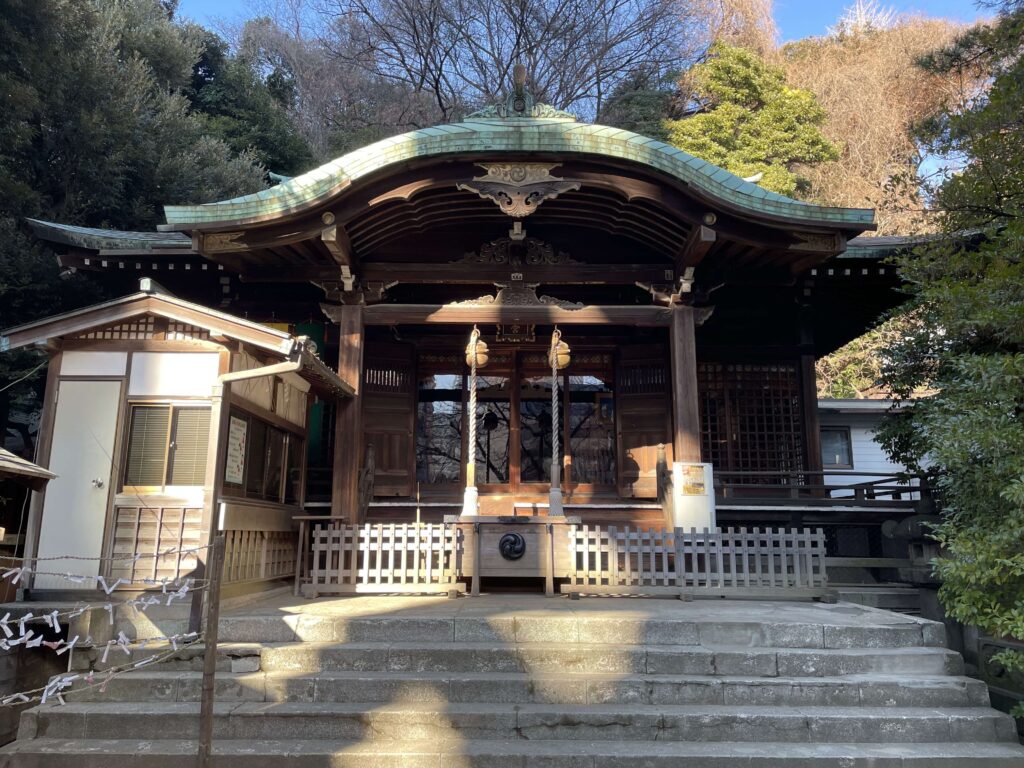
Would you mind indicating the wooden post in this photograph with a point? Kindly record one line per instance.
(549, 560)
(210, 652)
(809, 392)
(44, 442)
(220, 419)
(348, 419)
(685, 404)
(475, 589)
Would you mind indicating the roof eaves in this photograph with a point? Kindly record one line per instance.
(528, 135)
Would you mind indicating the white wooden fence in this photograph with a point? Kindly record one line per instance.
(336, 558)
(740, 563)
(392, 557)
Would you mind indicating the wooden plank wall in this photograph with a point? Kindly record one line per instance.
(149, 531)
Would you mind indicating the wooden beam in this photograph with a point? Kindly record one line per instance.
(348, 419)
(335, 239)
(418, 314)
(546, 274)
(685, 404)
(696, 247)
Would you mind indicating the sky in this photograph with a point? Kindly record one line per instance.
(795, 18)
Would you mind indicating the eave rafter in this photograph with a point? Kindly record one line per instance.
(336, 240)
(699, 242)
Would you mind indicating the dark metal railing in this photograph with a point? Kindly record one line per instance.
(826, 485)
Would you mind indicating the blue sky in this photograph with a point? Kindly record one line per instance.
(795, 18)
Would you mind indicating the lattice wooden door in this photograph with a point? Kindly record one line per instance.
(644, 417)
(751, 416)
(389, 412)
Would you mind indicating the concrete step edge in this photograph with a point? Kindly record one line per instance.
(292, 748)
(297, 708)
(911, 680)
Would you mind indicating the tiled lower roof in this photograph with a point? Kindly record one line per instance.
(92, 238)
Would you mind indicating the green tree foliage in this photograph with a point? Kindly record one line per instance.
(642, 104)
(968, 342)
(246, 111)
(749, 121)
(96, 131)
(855, 370)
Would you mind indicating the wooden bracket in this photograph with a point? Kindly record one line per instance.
(695, 248)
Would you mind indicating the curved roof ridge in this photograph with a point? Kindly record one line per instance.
(488, 137)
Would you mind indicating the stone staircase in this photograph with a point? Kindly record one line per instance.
(521, 681)
(903, 598)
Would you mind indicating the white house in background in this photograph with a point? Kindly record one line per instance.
(848, 445)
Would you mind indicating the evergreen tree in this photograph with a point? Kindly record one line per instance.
(749, 121)
(642, 104)
(246, 111)
(967, 346)
(94, 131)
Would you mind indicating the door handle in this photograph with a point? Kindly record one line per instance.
(97, 483)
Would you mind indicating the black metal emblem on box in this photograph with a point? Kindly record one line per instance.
(512, 546)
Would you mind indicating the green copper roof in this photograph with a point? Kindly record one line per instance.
(91, 238)
(494, 138)
(882, 247)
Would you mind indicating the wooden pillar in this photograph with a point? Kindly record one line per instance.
(348, 419)
(809, 392)
(213, 485)
(44, 442)
(685, 404)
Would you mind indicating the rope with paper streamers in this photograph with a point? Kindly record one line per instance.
(16, 574)
(55, 688)
(114, 558)
(25, 635)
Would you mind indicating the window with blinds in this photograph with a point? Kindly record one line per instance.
(166, 446)
(189, 440)
(147, 445)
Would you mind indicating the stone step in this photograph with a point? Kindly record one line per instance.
(165, 753)
(519, 688)
(456, 723)
(618, 627)
(902, 599)
(606, 658)
(310, 657)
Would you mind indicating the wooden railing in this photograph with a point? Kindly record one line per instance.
(258, 555)
(159, 538)
(739, 563)
(827, 485)
(339, 558)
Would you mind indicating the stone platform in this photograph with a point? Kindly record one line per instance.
(524, 682)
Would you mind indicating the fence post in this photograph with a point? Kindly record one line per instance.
(210, 651)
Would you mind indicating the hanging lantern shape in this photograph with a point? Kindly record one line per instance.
(558, 355)
(476, 350)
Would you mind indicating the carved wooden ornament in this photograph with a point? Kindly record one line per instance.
(518, 188)
(504, 250)
(516, 296)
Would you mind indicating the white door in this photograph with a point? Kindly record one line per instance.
(82, 456)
